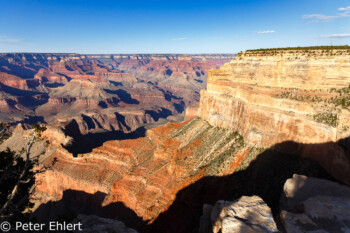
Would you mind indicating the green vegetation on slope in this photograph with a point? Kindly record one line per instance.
(326, 118)
(217, 146)
(294, 96)
(343, 99)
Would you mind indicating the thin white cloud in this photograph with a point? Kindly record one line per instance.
(344, 8)
(335, 36)
(266, 32)
(344, 12)
(6, 39)
(321, 18)
(182, 38)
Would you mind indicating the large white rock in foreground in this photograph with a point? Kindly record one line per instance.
(246, 214)
(315, 205)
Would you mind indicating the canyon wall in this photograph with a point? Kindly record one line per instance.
(277, 96)
(271, 98)
(309, 69)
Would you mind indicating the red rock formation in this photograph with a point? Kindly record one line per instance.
(182, 78)
(152, 83)
(45, 75)
(17, 82)
(146, 173)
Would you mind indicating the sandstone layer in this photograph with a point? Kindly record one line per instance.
(278, 96)
(146, 173)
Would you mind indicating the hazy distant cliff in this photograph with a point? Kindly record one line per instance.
(54, 85)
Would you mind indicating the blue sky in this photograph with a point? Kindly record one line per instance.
(148, 26)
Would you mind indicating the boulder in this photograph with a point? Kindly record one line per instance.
(315, 205)
(247, 214)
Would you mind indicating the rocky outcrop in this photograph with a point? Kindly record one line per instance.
(53, 184)
(271, 97)
(247, 214)
(17, 82)
(45, 75)
(146, 173)
(311, 204)
(302, 69)
(258, 88)
(307, 205)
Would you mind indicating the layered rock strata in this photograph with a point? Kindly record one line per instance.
(270, 98)
(146, 173)
(51, 88)
(275, 96)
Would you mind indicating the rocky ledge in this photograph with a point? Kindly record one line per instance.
(275, 96)
(307, 205)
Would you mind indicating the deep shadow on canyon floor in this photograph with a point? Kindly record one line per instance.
(76, 202)
(264, 177)
(86, 143)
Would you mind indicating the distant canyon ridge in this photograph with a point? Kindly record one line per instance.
(101, 92)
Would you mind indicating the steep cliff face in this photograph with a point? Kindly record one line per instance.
(302, 69)
(280, 95)
(271, 97)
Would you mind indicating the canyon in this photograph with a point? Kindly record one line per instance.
(264, 116)
(101, 92)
